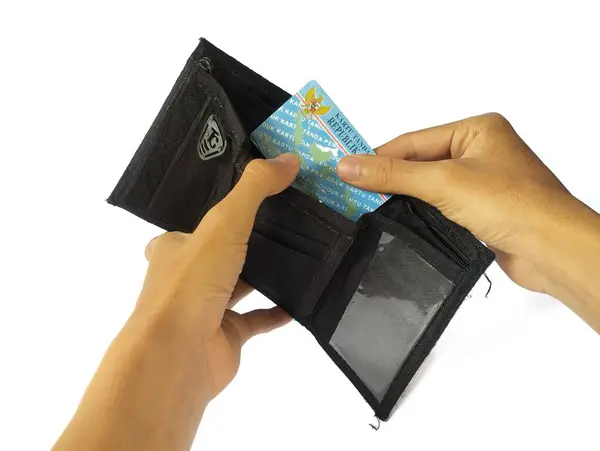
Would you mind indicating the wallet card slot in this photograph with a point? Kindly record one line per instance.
(282, 211)
(319, 212)
(291, 239)
(264, 263)
(303, 229)
(279, 272)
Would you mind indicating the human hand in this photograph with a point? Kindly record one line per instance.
(479, 173)
(193, 279)
(181, 345)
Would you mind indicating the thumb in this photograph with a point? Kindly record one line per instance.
(426, 180)
(237, 211)
(217, 249)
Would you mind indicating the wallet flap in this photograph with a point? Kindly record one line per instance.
(187, 161)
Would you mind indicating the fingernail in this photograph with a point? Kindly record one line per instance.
(288, 159)
(349, 168)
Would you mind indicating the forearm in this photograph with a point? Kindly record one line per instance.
(146, 395)
(571, 262)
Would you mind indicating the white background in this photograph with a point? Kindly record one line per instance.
(81, 83)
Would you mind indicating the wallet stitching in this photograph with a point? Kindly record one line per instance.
(362, 270)
(310, 214)
(255, 97)
(318, 276)
(314, 280)
(242, 87)
(263, 220)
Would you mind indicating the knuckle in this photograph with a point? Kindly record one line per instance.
(258, 175)
(216, 216)
(258, 169)
(446, 174)
(158, 239)
(152, 245)
(406, 142)
(495, 119)
(385, 171)
(164, 242)
(174, 237)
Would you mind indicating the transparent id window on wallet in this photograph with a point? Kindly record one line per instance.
(397, 297)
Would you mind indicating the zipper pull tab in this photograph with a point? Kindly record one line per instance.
(205, 64)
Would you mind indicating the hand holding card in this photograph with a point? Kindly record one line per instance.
(312, 126)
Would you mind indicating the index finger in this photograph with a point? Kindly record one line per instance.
(430, 144)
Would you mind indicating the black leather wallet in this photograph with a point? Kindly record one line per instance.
(376, 294)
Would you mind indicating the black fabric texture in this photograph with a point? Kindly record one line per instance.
(323, 269)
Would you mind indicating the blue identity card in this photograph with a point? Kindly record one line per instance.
(312, 126)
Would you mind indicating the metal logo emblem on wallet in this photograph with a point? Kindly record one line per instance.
(211, 143)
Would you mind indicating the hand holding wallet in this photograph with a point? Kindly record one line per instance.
(376, 294)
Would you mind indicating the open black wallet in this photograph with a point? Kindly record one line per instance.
(376, 294)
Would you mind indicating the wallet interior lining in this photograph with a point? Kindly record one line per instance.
(282, 222)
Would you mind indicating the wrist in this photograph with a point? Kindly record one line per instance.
(148, 392)
(558, 231)
(168, 336)
(171, 316)
(567, 255)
